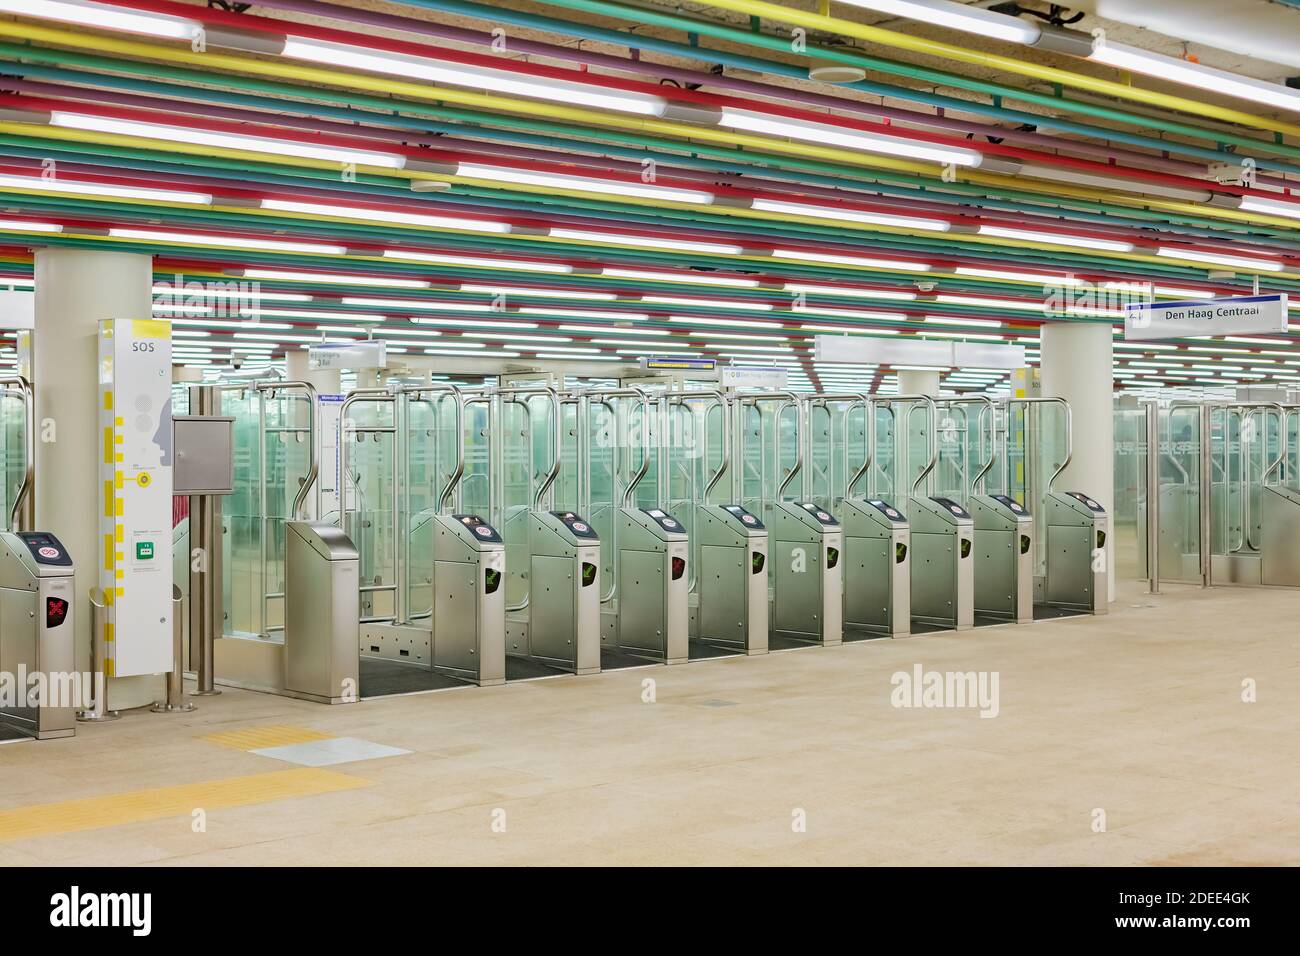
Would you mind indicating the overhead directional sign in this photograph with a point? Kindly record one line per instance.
(861, 349)
(754, 376)
(1236, 315)
(354, 355)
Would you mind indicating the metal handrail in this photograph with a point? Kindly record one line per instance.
(377, 396)
(724, 407)
(1069, 430)
(453, 480)
(557, 431)
(602, 397)
(987, 409)
(788, 399)
(854, 399)
(29, 472)
(931, 432)
(310, 481)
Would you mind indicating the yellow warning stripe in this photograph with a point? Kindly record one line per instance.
(116, 809)
(275, 735)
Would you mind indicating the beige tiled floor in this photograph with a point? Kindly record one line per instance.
(1138, 714)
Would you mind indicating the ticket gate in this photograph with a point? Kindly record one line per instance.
(1076, 537)
(943, 580)
(877, 569)
(1004, 559)
(731, 579)
(468, 635)
(560, 626)
(322, 612)
(1280, 536)
(807, 577)
(37, 636)
(653, 589)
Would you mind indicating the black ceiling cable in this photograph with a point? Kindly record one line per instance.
(1055, 14)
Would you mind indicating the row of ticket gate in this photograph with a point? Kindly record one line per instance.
(798, 575)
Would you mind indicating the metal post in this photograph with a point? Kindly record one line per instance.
(99, 707)
(1153, 498)
(175, 703)
(205, 573)
(1206, 480)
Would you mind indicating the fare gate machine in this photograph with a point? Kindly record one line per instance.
(468, 636)
(943, 581)
(653, 589)
(1004, 558)
(36, 634)
(1076, 527)
(731, 581)
(322, 613)
(561, 625)
(877, 569)
(808, 585)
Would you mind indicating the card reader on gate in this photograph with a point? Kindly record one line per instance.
(46, 549)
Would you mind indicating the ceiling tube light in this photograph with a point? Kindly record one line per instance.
(1271, 207)
(897, 295)
(236, 242)
(305, 314)
(408, 66)
(220, 324)
(977, 323)
(83, 13)
(385, 215)
(539, 293)
(1081, 242)
(515, 337)
(333, 279)
(832, 259)
(706, 303)
(692, 277)
(585, 314)
(587, 184)
(206, 292)
(956, 16)
(1039, 277)
(1174, 70)
(729, 323)
(475, 323)
(825, 134)
(988, 303)
(647, 242)
(517, 265)
(1218, 259)
(851, 215)
(855, 314)
(15, 225)
(203, 137)
(612, 330)
(404, 304)
(39, 184)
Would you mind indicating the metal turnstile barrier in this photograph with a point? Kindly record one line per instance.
(560, 624)
(943, 572)
(877, 569)
(1004, 558)
(653, 612)
(37, 636)
(322, 613)
(469, 600)
(808, 597)
(731, 578)
(1076, 527)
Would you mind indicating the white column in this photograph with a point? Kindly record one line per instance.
(1076, 363)
(75, 289)
(918, 382)
(326, 381)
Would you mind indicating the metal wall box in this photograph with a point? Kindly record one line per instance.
(204, 455)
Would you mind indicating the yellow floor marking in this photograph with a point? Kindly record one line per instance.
(116, 809)
(276, 735)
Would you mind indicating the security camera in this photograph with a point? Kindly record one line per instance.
(237, 361)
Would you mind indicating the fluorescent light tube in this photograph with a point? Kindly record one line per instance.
(851, 215)
(588, 184)
(86, 14)
(386, 215)
(1174, 70)
(826, 134)
(236, 242)
(203, 137)
(1215, 258)
(39, 184)
(1082, 242)
(647, 242)
(333, 279)
(692, 277)
(517, 265)
(892, 264)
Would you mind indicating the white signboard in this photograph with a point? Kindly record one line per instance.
(135, 381)
(1236, 315)
(857, 349)
(368, 354)
(754, 376)
(17, 309)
